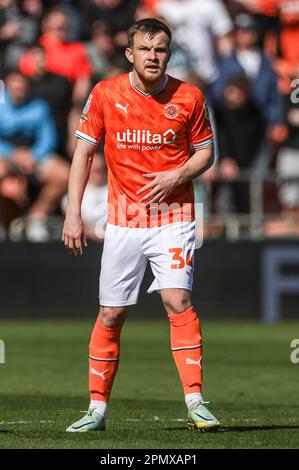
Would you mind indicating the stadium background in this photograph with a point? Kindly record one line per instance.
(247, 271)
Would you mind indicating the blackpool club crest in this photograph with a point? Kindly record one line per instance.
(171, 111)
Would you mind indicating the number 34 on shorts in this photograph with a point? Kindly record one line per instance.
(177, 256)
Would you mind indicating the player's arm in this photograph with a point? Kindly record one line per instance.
(73, 230)
(165, 182)
(200, 162)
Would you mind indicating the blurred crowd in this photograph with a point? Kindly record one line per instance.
(244, 55)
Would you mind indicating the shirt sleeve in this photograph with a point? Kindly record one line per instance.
(200, 129)
(91, 125)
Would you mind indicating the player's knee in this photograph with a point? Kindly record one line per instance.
(178, 303)
(112, 316)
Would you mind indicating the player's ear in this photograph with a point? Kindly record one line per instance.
(129, 55)
(169, 55)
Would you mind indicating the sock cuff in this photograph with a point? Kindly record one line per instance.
(183, 318)
(108, 332)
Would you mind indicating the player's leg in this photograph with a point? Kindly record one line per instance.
(186, 345)
(171, 253)
(122, 269)
(104, 355)
(186, 340)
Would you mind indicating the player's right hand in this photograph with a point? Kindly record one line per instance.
(73, 234)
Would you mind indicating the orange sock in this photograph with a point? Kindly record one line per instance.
(103, 360)
(186, 345)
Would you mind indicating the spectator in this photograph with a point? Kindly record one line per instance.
(63, 58)
(289, 32)
(73, 10)
(118, 14)
(116, 68)
(56, 90)
(241, 133)
(198, 25)
(27, 150)
(19, 27)
(180, 63)
(150, 6)
(266, 15)
(248, 59)
(280, 17)
(100, 49)
(287, 168)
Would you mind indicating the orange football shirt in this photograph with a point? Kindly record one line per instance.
(145, 133)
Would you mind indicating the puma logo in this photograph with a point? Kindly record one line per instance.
(100, 374)
(191, 361)
(124, 108)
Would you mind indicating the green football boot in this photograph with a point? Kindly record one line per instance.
(201, 419)
(92, 421)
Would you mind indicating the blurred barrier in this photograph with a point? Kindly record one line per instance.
(236, 280)
(241, 225)
(228, 224)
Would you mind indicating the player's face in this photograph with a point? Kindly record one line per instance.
(149, 55)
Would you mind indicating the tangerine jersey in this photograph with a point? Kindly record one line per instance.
(145, 133)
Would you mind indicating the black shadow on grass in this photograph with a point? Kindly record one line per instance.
(234, 428)
(255, 428)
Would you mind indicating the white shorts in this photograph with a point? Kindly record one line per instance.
(126, 252)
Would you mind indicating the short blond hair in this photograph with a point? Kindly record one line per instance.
(150, 26)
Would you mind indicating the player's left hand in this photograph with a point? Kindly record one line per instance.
(73, 235)
(163, 184)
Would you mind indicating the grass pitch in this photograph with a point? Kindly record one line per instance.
(249, 379)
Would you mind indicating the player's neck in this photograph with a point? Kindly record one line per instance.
(147, 87)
